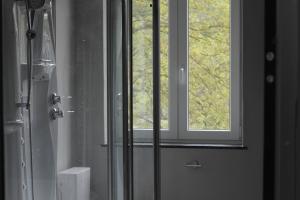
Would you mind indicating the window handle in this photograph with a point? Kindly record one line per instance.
(194, 164)
(181, 74)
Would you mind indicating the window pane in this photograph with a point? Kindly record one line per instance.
(209, 65)
(142, 64)
(164, 63)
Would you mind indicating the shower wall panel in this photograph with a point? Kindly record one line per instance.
(90, 91)
(81, 85)
(65, 56)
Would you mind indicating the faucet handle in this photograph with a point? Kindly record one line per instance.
(56, 113)
(55, 99)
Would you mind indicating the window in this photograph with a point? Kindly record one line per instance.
(200, 69)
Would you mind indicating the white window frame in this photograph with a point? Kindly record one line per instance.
(235, 132)
(178, 70)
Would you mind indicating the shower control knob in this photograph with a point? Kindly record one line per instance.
(55, 99)
(56, 113)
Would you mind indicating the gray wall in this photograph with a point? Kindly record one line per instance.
(287, 147)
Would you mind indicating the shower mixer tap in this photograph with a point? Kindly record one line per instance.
(56, 113)
(55, 99)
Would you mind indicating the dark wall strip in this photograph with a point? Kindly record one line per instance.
(270, 100)
(2, 164)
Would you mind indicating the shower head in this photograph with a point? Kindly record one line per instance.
(35, 4)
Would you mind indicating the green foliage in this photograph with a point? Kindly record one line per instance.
(208, 64)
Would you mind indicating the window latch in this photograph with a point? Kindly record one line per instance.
(182, 75)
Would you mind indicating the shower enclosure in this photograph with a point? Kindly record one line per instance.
(67, 100)
(52, 115)
(78, 127)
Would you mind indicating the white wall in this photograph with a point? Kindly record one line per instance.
(65, 76)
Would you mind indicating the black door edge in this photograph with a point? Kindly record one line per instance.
(269, 100)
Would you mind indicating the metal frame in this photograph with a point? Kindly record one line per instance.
(156, 97)
(125, 100)
(131, 135)
(109, 101)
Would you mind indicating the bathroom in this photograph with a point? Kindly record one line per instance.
(141, 100)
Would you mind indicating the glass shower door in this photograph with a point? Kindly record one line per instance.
(117, 88)
(66, 134)
(135, 127)
(134, 161)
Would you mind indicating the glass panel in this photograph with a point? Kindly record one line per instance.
(116, 80)
(209, 65)
(143, 158)
(142, 65)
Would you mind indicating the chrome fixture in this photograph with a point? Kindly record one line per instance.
(56, 113)
(55, 99)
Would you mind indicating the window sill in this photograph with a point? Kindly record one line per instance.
(190, 146)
